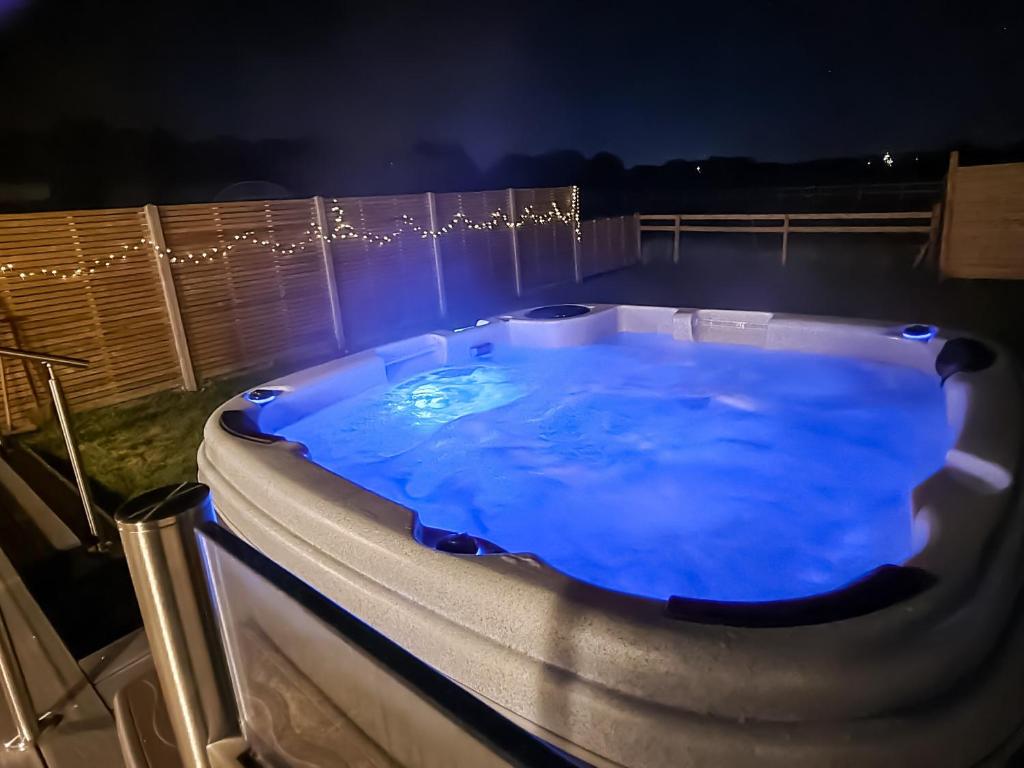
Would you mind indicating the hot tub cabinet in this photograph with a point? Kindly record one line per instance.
(916, 663)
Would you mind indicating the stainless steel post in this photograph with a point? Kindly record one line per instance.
(64, 419)
(158, 535)
(16, 692)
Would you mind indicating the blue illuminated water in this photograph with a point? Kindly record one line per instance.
(652, 467)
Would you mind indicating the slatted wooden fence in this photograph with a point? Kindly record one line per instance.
(983, 232)
(157, 298)
(256, 301)
(110, 312)
(479, 265)
(609, 244)
(547, 254)
(389, 285)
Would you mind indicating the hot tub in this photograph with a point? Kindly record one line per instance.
(665, 537)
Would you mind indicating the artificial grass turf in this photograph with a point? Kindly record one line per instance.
(139, 445)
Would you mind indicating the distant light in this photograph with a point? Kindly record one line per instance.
(887, 159)
(698, 169)
(869, 162)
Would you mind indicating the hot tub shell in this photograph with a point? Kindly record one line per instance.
(936, 679)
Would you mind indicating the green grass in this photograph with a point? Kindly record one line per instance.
(133, 447)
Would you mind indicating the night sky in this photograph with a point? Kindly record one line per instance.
(772, 79)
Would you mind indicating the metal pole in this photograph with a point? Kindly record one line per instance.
(158, 535)
(16, 692)
(43, 357)
(64, 419)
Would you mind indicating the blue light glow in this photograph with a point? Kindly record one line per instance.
(919, 332)
(652, 467)
(262, 396)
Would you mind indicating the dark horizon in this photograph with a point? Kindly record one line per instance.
(90, 164)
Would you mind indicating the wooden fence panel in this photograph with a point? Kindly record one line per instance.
(384, 268)
(545, 250)
(250, 282)
(609, 244)
(984, 236)
(479, 272)
(84, 284)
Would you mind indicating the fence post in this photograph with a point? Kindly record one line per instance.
(639, 239)
(785, 238)
(435, 244)
(332, 284)
(947, 209)
(516, 267)
(675, 240)
(577, 264)
(163, 268)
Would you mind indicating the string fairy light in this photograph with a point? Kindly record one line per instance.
(340, 230)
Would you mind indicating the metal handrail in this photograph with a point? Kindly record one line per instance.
(12, 679)
(92, 514)
(44, 357)
(15, 691)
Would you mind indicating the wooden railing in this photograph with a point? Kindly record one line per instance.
(783, 224)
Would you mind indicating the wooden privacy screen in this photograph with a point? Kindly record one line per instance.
(111, 313)
(545, 251)
(388, 287)
(408, 283)
(259, 300)
(479, 271)
(609, 244)
(157, 298)
(983, 232)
